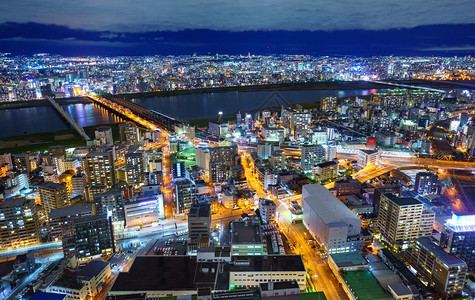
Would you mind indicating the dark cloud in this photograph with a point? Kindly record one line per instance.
(238, 15)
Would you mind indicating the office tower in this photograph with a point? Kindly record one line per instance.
(103, 136)
(100, 169)
(78, 183)
(426, 183)
(185, 195)
(134, 166)
(111, 203)
(22, 162)
(53, 195)
(310, 156)
(458, 238)
(334, 225)
(325, 171)
(60, 220)
(444, 271)
(403, 220)
(19, 224)
(328, 104)
(367, 157)
(199, 225)
(267, 209)
(93, 237)
(129, 134)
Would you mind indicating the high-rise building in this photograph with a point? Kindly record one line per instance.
(53, 195)
(403, 219)
(444, 271)
(103, 136)
(185, 195)
(129, 133)
(347, 186)
(334, 225)
(328, 104)
(426, 183)
(199, 225)
(277, 160)
(134, 166)
(458, 238)
(221, 160)
(310, 156)
(267, 209)
(178, 170)
(100, 169)
(265, 149)
(19, 224)
(93, 237)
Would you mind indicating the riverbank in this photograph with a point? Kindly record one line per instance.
(43, 102)
(318, 85)
(41, 141)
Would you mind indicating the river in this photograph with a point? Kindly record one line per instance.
(14, 122)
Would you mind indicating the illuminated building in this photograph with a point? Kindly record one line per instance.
(103, 136)
(368, 157)
(61, 219)
(185, 195)
(246, 237)
(267, 209)
(333, 224)
(112, 204)
(129, 133)
(78, 183)
(444, 271)
(53, 195)
(458, 238)
(100, 169)
(325, 171)
(347, 186)
(134, 166)
(19, 223)
(426, 183)
(199, 225)
(22, 162)
(310, 156)
(93, 237)
(403, 219)
(328, 104)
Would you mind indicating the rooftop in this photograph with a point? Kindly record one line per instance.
(246, 232)
(348, 259)
(14, 202)
(200, 210)
(446, 258)
(364, 285)
(402, 201)
(327, 164)
(329, 208)
(71, 210)
(93, 268)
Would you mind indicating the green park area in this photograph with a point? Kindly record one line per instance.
(186, 155)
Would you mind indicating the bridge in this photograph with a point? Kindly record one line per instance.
(68, 119)
(407, 86)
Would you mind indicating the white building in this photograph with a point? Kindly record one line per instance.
(267, 210)
(310, 156)
(146, 209)
(367, 157)
(333, 224)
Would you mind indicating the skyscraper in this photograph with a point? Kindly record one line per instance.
(311, 155)
(458, 238)
(199, 225)
(426, 183)
(185, 195)
(129, 133)
(93, 237)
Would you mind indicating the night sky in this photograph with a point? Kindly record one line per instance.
(166, 27)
